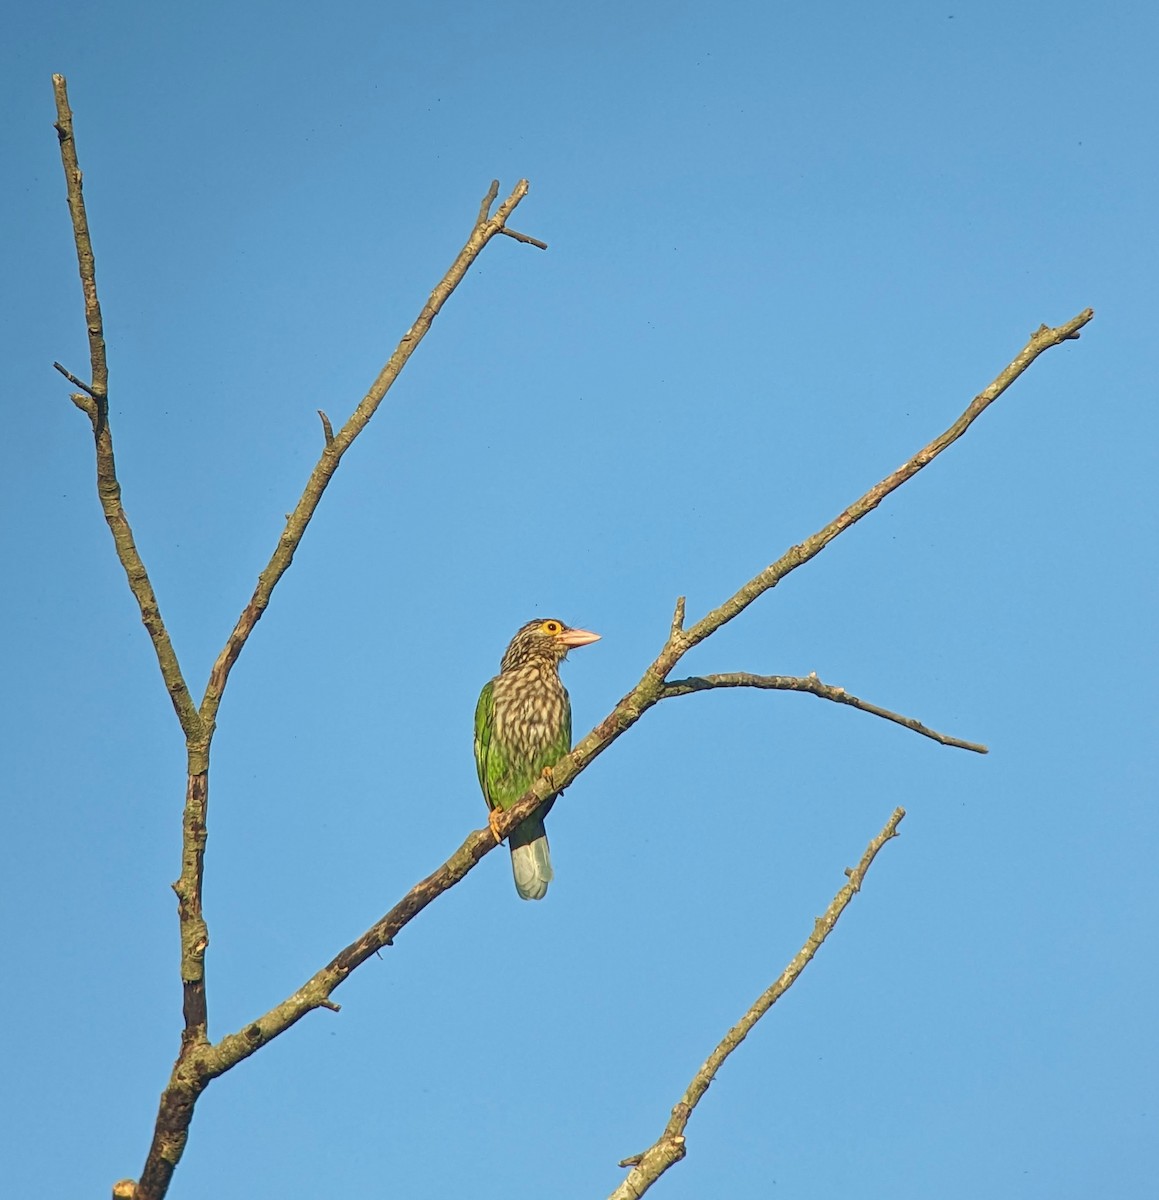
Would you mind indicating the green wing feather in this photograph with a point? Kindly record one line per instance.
(503, 776)
(484, 711)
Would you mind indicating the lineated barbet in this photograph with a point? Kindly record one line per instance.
(522, 727)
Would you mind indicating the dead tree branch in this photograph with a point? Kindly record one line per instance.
(95, 403)
(814, 687)
(198, 1060)
(193, 1070)
(669, 1148)
(486, 227)
(648, 692)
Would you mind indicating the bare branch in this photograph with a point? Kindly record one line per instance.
(190, 1074)
(315, 993)
(198, 1062)
(677, 625)
(94, 402)
(649, 691)
(1043, 338)
(485, 228)
(211, 1061)
(80, 383)
(670, 1147)
(74, 183)
(812, 685)
(97, 409)
(488, 200)
(523, 237)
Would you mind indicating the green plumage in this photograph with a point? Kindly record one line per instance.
(522, 725)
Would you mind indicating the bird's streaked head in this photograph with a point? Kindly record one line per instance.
(545, 638)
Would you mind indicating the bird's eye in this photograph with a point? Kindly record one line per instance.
(551, 627)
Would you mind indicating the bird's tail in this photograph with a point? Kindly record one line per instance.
(530, 860)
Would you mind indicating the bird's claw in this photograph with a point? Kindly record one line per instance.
(493, 821)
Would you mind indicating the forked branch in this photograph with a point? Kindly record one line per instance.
(199, 1061)
(192, 1070)
(649, 691)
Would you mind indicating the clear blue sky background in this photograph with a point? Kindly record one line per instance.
(788, 244)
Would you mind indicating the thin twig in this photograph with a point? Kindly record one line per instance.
(80, 383)
(488, 200)
(523, 237)
(670, 1147)
(813, 686)
(677, 625)
(327, 428)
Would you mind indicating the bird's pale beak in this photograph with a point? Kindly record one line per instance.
(578, 637)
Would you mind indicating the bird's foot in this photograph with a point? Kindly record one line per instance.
(549, 775)
(493, 820)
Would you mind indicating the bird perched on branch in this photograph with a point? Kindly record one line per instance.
(523, 727)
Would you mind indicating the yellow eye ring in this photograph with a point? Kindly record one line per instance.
(552, 627)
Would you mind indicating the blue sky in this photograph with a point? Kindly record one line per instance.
(787, 245)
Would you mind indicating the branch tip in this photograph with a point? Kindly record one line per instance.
(80, 383)
(523, 237)
(488, 200)
(327, 429)
(678, 617)
(797, 555)
(823, 691)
